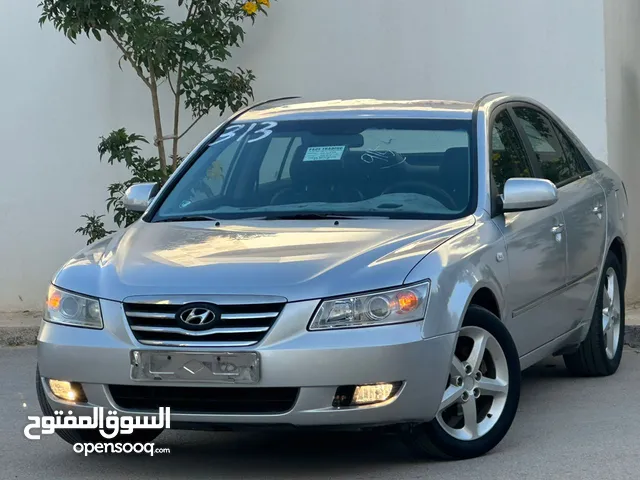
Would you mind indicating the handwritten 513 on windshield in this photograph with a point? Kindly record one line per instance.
(108, 425)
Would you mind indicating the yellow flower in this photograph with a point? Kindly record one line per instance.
(266, 3)
(250, 8)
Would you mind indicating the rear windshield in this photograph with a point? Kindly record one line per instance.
(357, 167)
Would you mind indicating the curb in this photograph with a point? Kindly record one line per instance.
(26, 336)
(632, 336)
(18, 336)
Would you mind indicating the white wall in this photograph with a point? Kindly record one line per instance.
(462, 49)
(52, 93)
(622, 18)
(59, 98)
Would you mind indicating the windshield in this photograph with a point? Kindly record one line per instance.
(357, 167)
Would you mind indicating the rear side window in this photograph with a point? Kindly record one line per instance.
(572, 153)
(508, 156)
(554, 164)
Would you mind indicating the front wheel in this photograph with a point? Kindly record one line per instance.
(481, 396)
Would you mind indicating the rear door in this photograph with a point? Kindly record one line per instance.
(535, 254)
(583, 202)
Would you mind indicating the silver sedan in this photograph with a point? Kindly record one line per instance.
(355, 264)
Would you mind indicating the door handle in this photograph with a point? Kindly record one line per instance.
(557, 229)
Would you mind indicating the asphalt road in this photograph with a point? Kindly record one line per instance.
(566, 428)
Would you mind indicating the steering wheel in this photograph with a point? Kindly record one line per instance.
(279, 194)
(424, 189)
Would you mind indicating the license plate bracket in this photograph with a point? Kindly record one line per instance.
(195, 367)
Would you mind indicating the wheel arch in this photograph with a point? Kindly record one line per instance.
(485, 298)
(618, 248)
(482, 295)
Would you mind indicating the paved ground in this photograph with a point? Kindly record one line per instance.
(566, 428)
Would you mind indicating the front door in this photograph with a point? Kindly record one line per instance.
(582, 200)
(535, 247)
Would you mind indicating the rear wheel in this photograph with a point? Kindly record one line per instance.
(600, 353)
(90, 436)
(481, 396)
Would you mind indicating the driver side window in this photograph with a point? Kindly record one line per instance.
(508, 156)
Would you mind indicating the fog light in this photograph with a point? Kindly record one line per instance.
(69, 391)
(358, 395)
(366, 394)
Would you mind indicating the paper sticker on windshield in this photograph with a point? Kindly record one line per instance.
(320, 154)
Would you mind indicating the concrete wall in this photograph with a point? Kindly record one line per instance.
(622, 18)
(549, 49)
(62, 97)
(57, 100)
(53, 96)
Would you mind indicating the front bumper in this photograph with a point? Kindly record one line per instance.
(315, 362)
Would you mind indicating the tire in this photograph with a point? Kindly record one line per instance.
(90, 436)
(438, 438)
(600, 353)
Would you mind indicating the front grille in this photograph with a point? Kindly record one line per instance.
(238, 325)
(205, 400)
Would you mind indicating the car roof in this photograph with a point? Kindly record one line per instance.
(299, 109)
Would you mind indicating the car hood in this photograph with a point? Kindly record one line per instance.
(298, 260)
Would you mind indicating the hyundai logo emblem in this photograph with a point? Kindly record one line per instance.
(197, 316)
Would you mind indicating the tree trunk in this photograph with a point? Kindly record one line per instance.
(176, 118)
(157, 120)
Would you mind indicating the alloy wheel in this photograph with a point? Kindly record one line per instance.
(476, 394)
(611, 309)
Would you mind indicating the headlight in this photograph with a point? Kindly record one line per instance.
(72, 309)
(400, 305)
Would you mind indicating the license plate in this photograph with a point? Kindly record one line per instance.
(225, 368)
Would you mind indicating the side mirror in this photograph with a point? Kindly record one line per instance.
(522, 194)
(138, 197)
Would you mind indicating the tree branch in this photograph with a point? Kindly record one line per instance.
(159, 141)
(127, 55)
(177, 91)
(170, 83)
(176, 115)
(190, 127)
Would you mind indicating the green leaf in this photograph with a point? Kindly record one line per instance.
(149, 38)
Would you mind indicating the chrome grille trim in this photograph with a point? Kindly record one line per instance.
(167, 316)
(167, 343)
(248, 316)
(243, 323)
(224, 316)
(203, 333)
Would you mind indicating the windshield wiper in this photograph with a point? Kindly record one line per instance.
(310, 216)
(189, 218)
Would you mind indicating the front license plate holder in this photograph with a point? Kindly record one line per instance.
(195, 367)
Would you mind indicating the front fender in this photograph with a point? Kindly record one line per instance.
(458, 269)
